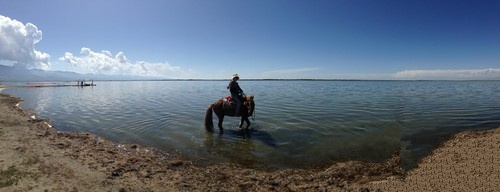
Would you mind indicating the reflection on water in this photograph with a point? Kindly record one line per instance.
(239, 151)
(298, 123)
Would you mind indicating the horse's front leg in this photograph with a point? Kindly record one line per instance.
(248, 122)
(241, 122)
(221, 119)
(244, 119)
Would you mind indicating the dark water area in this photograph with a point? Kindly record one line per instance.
(298, 123)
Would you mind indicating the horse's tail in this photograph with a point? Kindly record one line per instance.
(209, 124)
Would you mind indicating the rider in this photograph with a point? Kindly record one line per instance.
(236, 92)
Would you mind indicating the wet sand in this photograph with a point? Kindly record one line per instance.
(37, 157)
(467, 161)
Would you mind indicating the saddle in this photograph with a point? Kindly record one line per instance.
(228, 103)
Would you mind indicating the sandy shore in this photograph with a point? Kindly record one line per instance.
(36, 157)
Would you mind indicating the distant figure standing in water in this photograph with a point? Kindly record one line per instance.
(236, 92)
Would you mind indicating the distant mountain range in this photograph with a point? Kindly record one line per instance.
(10, 73)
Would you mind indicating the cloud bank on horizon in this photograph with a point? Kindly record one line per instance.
(107, 64)
(17, 45)
(471, 74)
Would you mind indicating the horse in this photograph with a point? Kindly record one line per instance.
(223, 108)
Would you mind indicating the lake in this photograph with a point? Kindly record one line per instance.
(297, 123)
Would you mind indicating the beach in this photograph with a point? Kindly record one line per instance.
(37, 157)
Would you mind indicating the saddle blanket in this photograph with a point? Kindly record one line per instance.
(227, 103)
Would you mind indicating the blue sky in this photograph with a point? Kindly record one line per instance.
(346, 39)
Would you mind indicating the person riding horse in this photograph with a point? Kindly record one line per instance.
(245, 107)
(236, 93)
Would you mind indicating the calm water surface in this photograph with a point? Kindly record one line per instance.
(298, 123)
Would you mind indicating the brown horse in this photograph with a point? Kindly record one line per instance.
(222, 108)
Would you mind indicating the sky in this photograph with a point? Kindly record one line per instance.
(282, 39)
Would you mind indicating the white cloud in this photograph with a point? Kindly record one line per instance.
(476, 74)
(17, 43)
(105, 63)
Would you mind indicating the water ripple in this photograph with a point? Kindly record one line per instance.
(299, 123)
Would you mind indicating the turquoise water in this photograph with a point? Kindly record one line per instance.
(298, 123)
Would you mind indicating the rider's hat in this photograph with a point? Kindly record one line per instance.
(235, 76)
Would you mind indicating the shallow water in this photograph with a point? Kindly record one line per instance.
(298, 123)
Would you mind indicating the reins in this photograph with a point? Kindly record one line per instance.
(253, 115)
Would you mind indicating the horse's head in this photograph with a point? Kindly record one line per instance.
(249, 104)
